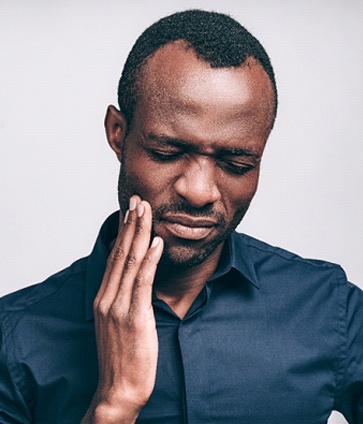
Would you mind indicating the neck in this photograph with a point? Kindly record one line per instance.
(178, 287)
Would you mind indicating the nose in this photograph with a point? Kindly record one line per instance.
(197, 184)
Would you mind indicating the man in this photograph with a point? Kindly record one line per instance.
(174, 317)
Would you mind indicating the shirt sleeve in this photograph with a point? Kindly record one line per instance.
(350, 395)
(13, 408)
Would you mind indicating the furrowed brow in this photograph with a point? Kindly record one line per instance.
(219, 151)
(237, 151)
(165, 140)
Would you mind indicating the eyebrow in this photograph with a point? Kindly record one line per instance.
(165, 140)
(222, 151)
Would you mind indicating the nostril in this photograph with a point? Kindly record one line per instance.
(197, 191)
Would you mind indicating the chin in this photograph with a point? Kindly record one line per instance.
(186, 257)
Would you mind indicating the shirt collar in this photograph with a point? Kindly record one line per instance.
(235, 255)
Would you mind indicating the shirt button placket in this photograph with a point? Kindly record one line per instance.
(192, 402)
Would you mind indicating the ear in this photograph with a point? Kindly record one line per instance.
(116, 128)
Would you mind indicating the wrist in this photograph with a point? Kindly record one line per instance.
(106, 414)
(103, 412)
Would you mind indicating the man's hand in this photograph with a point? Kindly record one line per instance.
(125, 324)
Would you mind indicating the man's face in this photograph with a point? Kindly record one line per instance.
(194, 149)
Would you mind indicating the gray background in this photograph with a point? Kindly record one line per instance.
(60, 63)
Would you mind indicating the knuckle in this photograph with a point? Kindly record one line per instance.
(149, 261)
(130, 220)
(140, 230)
(123, 321)
(116, 314)
(101, 308)
(117, 253)
(131, 261)
(140, 280)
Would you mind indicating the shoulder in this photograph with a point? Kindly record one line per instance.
(37, 332)
(34, 315)
(282, 267)
(259, 249)
(47, 292)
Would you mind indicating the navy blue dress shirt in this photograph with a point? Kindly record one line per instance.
(272, 339)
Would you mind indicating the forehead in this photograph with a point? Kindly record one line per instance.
(176, 65)
(175, 85)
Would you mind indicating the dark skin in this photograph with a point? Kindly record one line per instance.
(191, 160)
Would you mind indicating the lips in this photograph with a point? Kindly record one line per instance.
(189, 228)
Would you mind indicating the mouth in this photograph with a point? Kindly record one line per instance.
(187, 227)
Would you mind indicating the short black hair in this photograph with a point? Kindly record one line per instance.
(215, 37)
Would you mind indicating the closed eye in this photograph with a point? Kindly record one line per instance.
(235, 168)
(165, 156)
(231, 166)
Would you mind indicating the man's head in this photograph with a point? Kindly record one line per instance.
(216, 38)
(191, 136)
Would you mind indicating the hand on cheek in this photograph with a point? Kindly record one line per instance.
(124, 319)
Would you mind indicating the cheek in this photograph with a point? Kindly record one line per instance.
(238, 193)
(148, 179)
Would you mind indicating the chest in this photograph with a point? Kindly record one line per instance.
(234, 362)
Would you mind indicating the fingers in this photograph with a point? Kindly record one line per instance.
(136, 254)
(118, 255)
(125, 325)
(132, 264)
(142, 289)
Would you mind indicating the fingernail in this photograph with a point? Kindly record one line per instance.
(140, 210)
(133, 203)
(126, 216)
(155, 242)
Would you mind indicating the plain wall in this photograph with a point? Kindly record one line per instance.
(60, 64)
